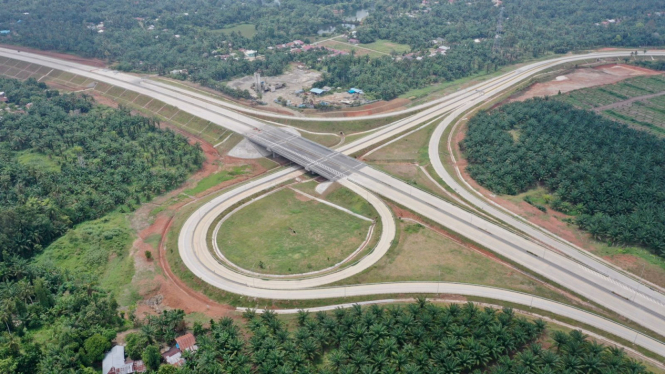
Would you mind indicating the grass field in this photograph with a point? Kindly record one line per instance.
(284, 233)
(386, 46)
(215, 179)
(331, 126)
(98, 248)
(424, 255)
(411, 148)
(245, 29)
(38, 161)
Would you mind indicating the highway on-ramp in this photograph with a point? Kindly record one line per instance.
(593, 280)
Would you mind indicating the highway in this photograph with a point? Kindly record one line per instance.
(594, 280)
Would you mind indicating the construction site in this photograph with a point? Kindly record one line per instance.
(292, 91)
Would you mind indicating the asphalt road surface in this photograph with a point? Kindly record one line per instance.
(588, 277)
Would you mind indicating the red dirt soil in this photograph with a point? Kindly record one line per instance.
(583, 78)
(174, 292)
(63, 56)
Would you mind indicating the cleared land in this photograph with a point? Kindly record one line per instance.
(287, 233)
(376, 49)
(247, 30)
(99, 248)
(638, 101)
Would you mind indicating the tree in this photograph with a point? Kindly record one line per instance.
(168, 369)
(136, 344)
(95, 347)
(151, 357)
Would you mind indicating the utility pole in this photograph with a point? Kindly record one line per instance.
(496, 48)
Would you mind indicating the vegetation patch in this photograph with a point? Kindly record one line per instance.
(425, 255)
(285, 233)
(413, 338)
(609, 176)
(215, 179)
(386, 46)
(99, 249)
(247, 30)
(37, 161)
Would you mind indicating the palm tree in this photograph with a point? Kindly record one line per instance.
(302, 317)
(336, 359)
(560, 339)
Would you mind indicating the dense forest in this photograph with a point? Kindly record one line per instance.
(417, 338)
(158, 36)
(65, 160)
(610, 177)
(82, 318)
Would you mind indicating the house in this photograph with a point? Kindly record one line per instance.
(443, 48)
(178, 71)
(298, 42)
(186, 342)
(356, 91)
(114, 362)
(316, 91)
(138, 366)
(354, 41)
(250, 53)
(173, 357)
(476, 40)
(5, 31)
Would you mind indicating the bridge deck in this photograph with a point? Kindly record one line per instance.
(312, 156)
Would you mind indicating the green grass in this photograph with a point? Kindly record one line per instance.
(351, 201)
(386, 46)
(98, 248)
(332, 126)
(38, 161)
(245, 29)
(424, 255)
(215, 179)
(282, 234)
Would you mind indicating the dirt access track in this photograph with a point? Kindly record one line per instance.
(583, 78)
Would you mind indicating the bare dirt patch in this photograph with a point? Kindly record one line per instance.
(295, 79)
(101, 99)
(583, 78)
(63, 56)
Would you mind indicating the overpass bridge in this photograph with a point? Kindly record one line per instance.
(314, 157)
